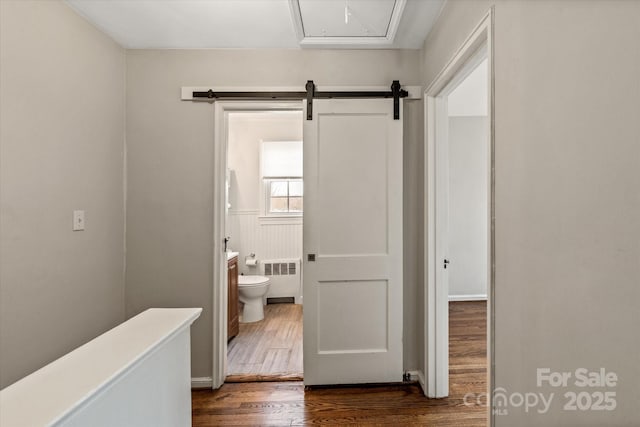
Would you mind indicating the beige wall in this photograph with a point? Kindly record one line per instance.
(170, 166)
(62, 87)
(567, 150)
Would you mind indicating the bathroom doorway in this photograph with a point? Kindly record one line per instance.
(263, 219)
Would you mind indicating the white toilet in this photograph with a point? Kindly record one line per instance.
(251, 290)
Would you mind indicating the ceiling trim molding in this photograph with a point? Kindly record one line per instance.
(347, 42)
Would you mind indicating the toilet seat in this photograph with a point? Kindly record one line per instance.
(248, 281)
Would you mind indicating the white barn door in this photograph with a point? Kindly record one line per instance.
(352, 242)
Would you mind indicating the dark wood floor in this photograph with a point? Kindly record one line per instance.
(289, 404)
(270, 348)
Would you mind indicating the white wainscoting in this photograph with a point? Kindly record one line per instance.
(267, 240)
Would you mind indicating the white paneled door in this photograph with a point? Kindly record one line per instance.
(352, 243)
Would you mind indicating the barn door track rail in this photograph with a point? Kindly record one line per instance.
(396, 93)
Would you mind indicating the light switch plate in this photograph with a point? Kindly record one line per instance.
(78, 220)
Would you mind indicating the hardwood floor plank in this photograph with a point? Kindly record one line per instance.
(289, 404)
(270, 348)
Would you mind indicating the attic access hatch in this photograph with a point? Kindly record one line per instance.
(321, 23)
(396, 93)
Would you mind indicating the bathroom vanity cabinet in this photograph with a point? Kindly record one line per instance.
(233, 324)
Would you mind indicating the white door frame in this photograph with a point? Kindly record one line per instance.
(436, 302)
(219, 303)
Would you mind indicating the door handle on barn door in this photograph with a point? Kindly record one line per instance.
(311, 257)
(446, 263)
(226, 240)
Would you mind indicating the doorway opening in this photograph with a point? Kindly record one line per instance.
(468, 234)
(459, 223)
(264, 245)
(258, 210)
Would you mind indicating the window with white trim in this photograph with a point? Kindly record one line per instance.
(284, 196)
(281, 170)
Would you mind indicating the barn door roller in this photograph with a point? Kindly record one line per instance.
(396, 93)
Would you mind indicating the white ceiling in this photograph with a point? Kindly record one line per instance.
(471, 96)
(166, 24)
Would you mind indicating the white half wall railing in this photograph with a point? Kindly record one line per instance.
(136, 374)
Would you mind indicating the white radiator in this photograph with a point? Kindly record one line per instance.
(284, 277)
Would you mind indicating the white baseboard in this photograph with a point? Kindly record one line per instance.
(202, 382)
(414, 375)
(421, 380)
(477, 297)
